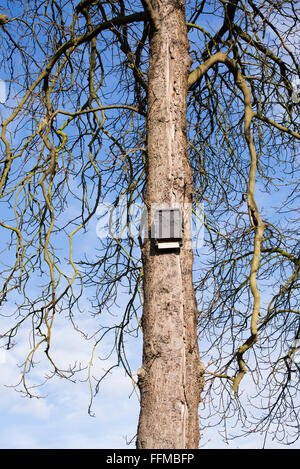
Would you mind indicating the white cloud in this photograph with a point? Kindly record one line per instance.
(2, 92)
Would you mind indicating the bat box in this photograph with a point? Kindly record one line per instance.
(167, 228)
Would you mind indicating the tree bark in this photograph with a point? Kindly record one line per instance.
(170, 379)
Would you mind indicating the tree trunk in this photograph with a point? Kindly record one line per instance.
(170, 379)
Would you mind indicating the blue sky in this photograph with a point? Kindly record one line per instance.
(61, 420)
